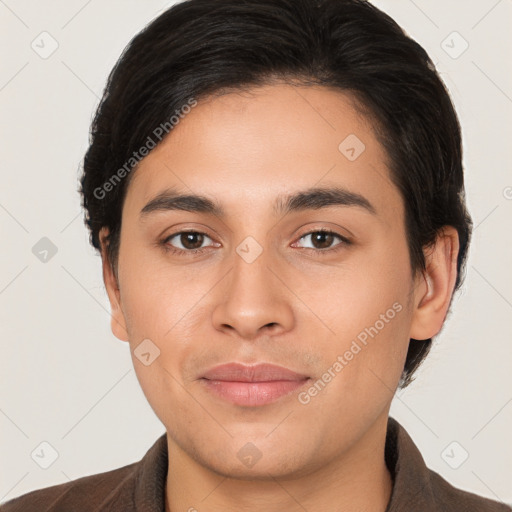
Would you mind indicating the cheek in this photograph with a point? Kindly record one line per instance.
(156, 296)
(352, 295)
(367, 306)
(165, 305)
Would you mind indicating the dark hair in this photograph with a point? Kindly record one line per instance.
(200, 48)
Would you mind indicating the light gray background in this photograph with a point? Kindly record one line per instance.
(66, 380)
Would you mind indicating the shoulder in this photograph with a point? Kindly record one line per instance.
(83, 494)
(451, 499)
(417, 487)
(136, 486)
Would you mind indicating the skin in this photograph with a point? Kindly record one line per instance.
(294, 306)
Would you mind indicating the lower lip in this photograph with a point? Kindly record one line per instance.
(251, 394)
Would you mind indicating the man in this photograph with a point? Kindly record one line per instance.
(276, 189)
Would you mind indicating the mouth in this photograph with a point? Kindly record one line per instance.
(254, 385)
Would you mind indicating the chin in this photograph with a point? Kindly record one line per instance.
(259, 460)
(261, 471)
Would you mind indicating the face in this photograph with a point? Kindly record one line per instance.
(298, 258)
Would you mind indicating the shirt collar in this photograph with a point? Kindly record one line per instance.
(411, 477)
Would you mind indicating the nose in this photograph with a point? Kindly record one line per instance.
(253, 301)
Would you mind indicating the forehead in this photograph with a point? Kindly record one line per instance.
(248, 147)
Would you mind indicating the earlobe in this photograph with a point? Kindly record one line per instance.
(434, 291)
(117, 318)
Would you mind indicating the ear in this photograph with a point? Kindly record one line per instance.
(434, 288)
(117, 318)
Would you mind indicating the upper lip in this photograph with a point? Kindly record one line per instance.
(263, 372)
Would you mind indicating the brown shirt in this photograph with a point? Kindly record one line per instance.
(140, 486)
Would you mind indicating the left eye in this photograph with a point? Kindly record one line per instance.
(322, 240)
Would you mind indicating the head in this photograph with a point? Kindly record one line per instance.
(286, 117)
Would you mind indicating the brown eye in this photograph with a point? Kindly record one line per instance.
(323, 240)
(191, 240)
(187, 240)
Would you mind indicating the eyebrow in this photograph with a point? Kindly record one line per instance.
(312, 198)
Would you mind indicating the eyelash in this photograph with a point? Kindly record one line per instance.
(191, 252)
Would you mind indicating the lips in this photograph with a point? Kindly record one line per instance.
(254, 385)
(235, 372)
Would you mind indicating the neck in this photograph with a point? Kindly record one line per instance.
(357, 480)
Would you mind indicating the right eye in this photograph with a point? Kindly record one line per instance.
(190, 242)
